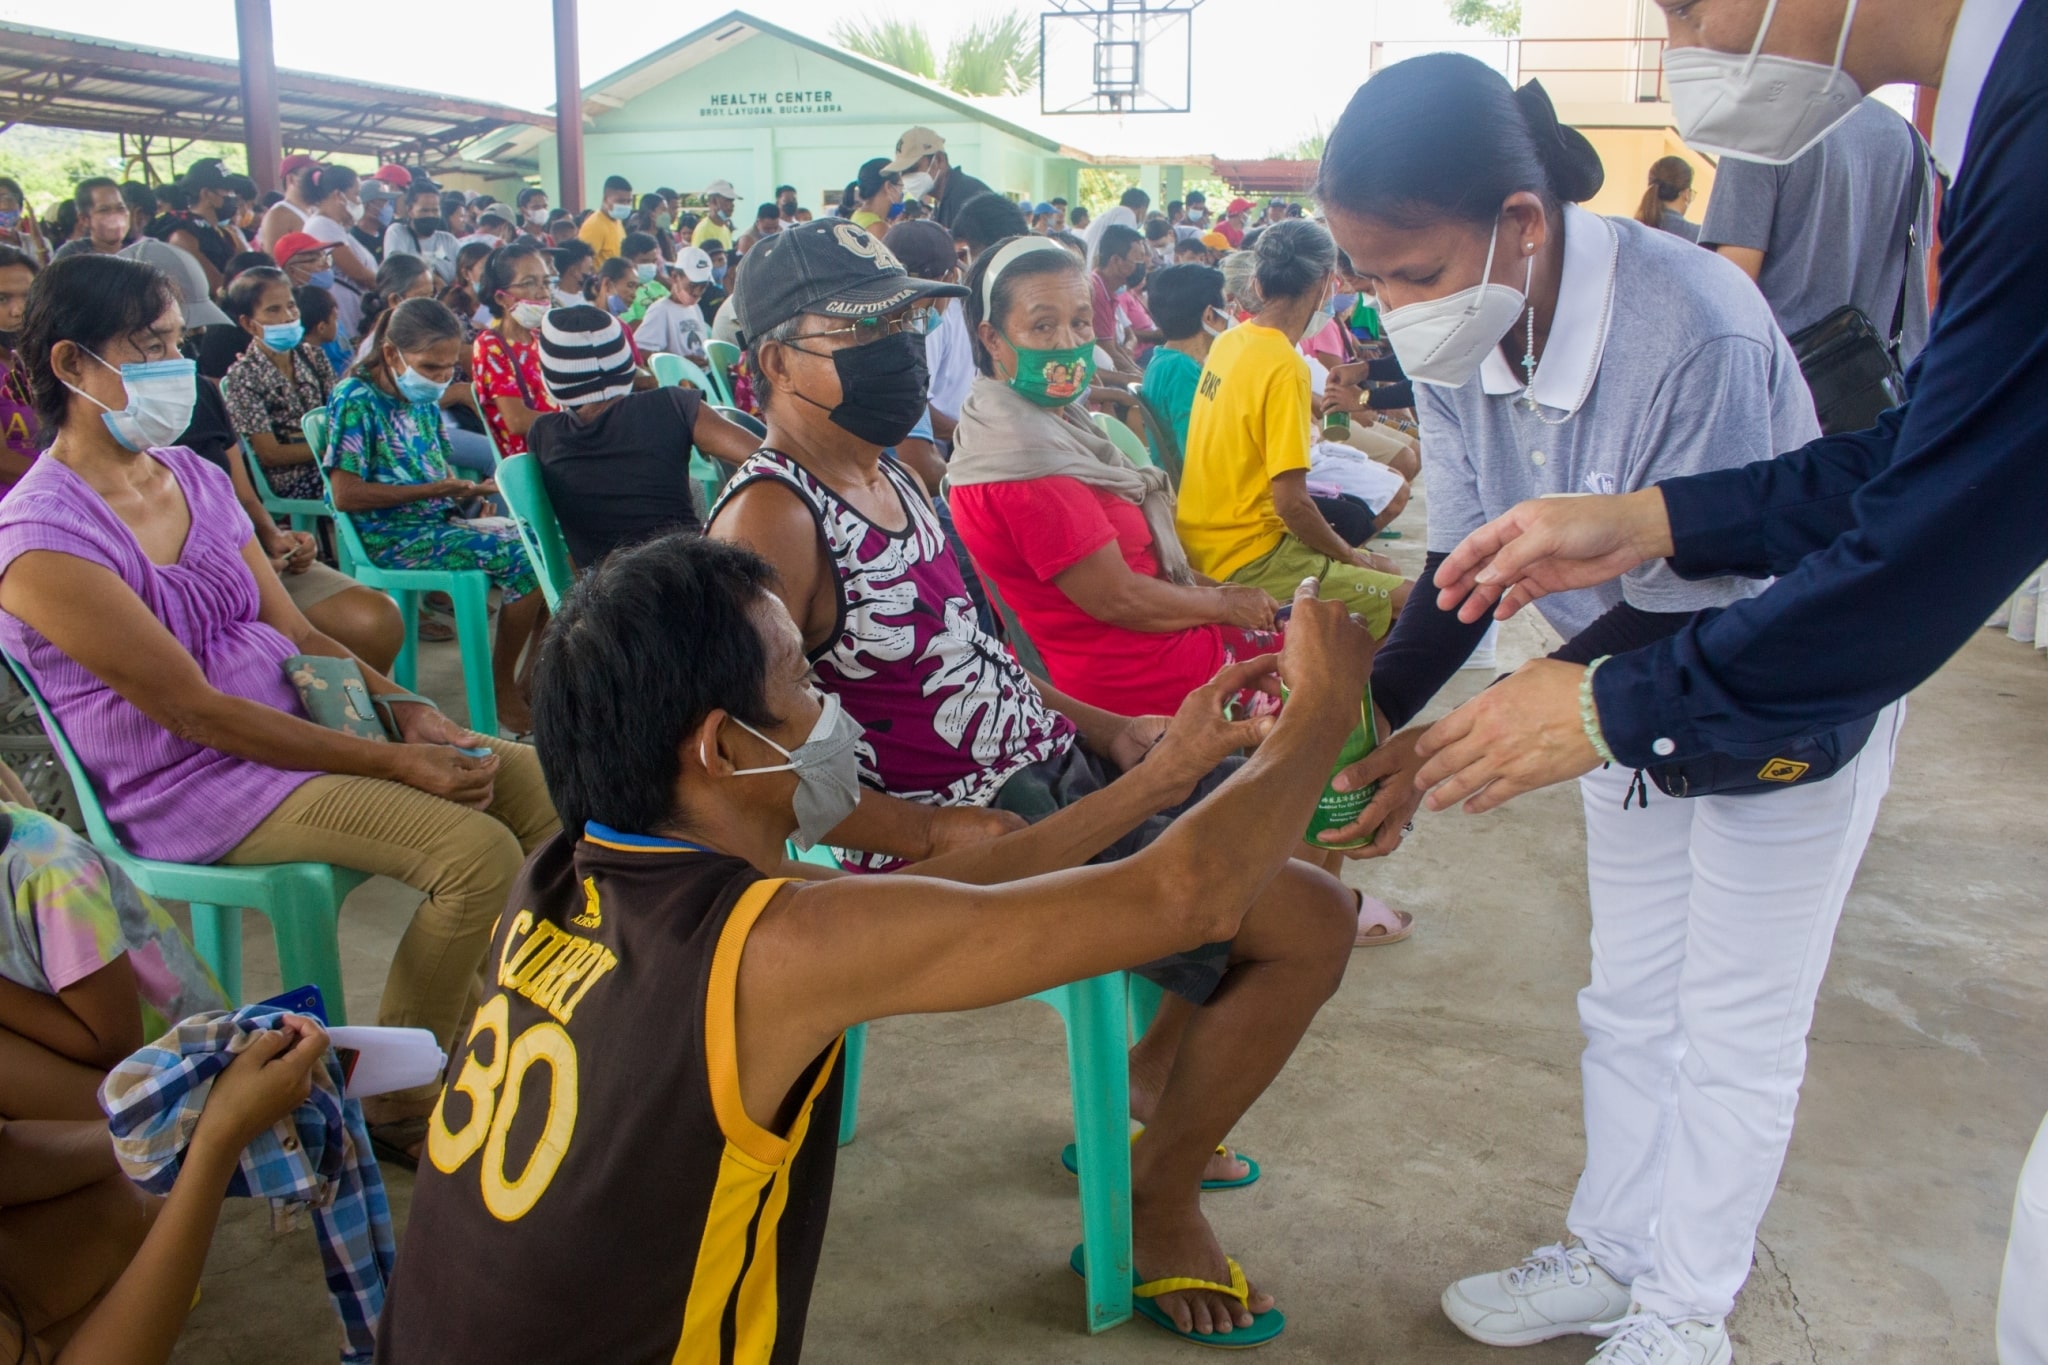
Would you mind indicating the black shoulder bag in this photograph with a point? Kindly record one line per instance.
(1852, 371)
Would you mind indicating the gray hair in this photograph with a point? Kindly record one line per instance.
(1293, 257)
(785, 330)
(1240, 284)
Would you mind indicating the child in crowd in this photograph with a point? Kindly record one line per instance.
(643, 253)
(616, 285)
(675, 323)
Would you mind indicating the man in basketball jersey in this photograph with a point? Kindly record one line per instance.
(633, 1157)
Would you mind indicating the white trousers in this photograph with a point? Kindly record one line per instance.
(1712, 922)
(2023, 1297)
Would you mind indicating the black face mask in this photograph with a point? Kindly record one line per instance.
(425, 227)
(1137, 278)
(882, 388)
(7, 340)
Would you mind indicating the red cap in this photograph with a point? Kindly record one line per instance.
(394, 175)
(297, 244)
(294, 163)
(1238, 206)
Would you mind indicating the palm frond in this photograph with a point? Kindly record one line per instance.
(901, 43)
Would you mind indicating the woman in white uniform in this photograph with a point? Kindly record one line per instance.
(1558, 353)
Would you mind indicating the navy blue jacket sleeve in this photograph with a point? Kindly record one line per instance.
(1935, 516)
(1422, 652)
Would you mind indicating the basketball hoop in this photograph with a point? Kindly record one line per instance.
(1116, 57)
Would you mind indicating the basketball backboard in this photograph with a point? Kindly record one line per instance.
(1116, 57)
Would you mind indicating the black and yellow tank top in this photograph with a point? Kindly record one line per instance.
(592, 1189)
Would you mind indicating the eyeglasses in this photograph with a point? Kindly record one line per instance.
(919, 321)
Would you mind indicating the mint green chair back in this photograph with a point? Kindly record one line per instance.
(1165, 445)
(299, 514)
(672, 371)
(469, 589)
(1126, 440)
(476, 401)
(724, 357)
(302, 901)
(526, 496)
(740, 417)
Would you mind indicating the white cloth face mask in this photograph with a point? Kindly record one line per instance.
(1443, 341)
(1759, 107)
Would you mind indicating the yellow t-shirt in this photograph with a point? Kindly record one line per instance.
(709, 227)
(604, 233)
(1250, 423)
(865, 220)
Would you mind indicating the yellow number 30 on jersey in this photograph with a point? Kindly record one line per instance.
(493, 1088)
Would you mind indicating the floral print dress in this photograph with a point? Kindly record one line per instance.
(262, 398)
(382, 439)
(503, 369)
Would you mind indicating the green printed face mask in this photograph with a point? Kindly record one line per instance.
(1053, 378)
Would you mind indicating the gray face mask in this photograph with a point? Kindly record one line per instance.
(827, 771)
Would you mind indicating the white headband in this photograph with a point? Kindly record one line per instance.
(1013, 250)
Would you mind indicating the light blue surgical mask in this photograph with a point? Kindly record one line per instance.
(161, 396)
(322, 279)
(620, 212)
(645, 272)
(415, 387)
(614, 304)
(284, 336)
(718, 274)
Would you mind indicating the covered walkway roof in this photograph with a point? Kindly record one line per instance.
(66, 80)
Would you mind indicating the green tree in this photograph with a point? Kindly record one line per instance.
(901, 43)
(1502, 18)
(996, 56)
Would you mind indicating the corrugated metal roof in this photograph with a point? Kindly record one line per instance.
(68, 80)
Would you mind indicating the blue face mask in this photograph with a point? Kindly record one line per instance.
(614, 304)
(161, 396)
(321, 279)
(383, 215)
(645, 272)
(718, 274)
(283, 336)
(620, 212)
(415, 387)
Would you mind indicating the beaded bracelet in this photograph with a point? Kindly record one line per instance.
(1589, 715)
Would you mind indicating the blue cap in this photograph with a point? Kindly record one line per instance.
(1042, 208)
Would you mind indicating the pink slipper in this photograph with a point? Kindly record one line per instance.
(1380, 924)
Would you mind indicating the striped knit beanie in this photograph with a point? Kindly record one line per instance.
(584, 357)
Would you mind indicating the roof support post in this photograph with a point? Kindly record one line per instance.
(568, 108)
(262, 133)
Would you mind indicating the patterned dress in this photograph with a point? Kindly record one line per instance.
(70, 912)
(501, 369)
(950, 716)
(382, 439)
(262, 399)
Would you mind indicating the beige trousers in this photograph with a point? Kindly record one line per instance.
(463, 859)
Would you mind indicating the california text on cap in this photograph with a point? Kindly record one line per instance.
(829, 267)
(914, 146)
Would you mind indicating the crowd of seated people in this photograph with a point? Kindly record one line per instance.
(957, 389)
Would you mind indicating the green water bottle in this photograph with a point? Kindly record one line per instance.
(1335, 809)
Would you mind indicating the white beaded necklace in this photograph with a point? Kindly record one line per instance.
(1528, 399)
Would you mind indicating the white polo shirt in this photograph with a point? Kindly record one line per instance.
(1662, 360)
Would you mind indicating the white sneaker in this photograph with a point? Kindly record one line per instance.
(1558, 1291)
(1645, 1339)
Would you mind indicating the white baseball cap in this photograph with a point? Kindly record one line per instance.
(721, 189)
(694, 263)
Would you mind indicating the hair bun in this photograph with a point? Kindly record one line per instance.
(1569, 160)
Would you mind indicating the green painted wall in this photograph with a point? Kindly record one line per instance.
(769, 112)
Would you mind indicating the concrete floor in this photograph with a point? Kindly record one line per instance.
(1429, 1126)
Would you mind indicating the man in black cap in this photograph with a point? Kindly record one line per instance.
(836, 330)
(199, 227)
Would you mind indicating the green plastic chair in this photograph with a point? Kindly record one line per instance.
(469, 588)
(300, 514)
(302, 901)
(490, 433)
(526, 497)
(671, 371)
(724, 357)
(740, 417)
(1165, 445)
(1126, 440)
